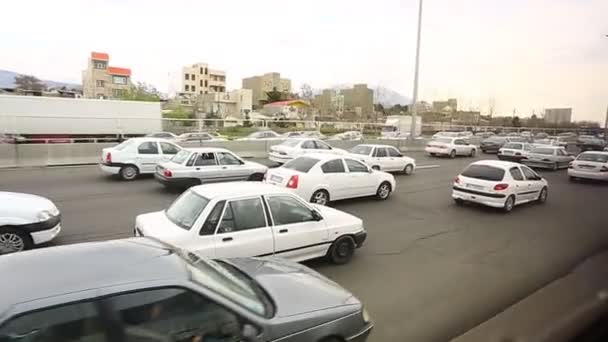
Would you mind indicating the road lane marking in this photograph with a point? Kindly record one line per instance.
(433, 166)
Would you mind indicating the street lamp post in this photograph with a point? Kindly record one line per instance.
(415, 94)
(606, 120)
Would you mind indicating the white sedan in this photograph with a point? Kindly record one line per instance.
(451, 147)
(261, 136)
(25, 221)
(589, 165)
(321, 178)
(383, 157)
(292, 148)
(247, 219)
(499, 184)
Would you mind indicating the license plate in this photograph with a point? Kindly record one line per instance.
(276, 179)
(474, 186)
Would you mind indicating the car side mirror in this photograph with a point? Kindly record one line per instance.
(250, 333)
(316, 216)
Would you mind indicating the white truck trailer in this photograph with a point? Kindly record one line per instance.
(400, 126)
(37, 116)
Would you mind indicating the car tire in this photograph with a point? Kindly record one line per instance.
(129, 172)
(459, 201)
(408, 169)
(453, 154)
(342, 250)
(376, 167)
(320, 197)
(509, 204)
(473, 152)
(384, 191)
(256, 177)
(13, 240)
(542, 197)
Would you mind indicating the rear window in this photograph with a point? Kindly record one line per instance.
(484, 172)
(290, 143)
(364, 150)
(180, 157)
(593, 157)
(123, 145)
(443, 140)
(302, 164)
(514, 146)
(495, 140)
(548, 151)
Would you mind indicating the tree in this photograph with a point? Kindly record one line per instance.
(28, 82)
(515, 122)
(273, 96)
(141, 92)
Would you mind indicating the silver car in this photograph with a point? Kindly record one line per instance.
(194, 166)
(141, 289)
(548, 157)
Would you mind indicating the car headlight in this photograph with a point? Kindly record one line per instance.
(365, 315)
(44, 215)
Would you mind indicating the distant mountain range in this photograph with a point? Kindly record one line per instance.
(7, 80)
(385, 96)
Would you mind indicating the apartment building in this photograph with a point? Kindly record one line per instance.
(359, 99)
(329, 103)
(558, 115)
(262, 84)
(198, 79)
(100, 80)
(235, 103)
(451, 105)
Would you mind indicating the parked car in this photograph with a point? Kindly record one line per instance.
(514, 151)
(549, 157)
(140, 289)
(485, 134)
(462, 134)
(261, 135)
(397, 136)
(321, 178)
(163, 135)
(589, 165)
(499, 184)
(246, 219)
(293, 148)
(194, 166)
(26, 221)
(590, 143)
(492, 144)
(290, 135)
(451, 147)
(384, 158)
(546, 142)
(349, 135)
(136, 156)
(314, 135)
(198, 136)
(541, 135)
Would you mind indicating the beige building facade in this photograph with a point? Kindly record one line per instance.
(360, 100)
(558, 115)
(262, 84)
(329, 103)
(100, 80)
(451, 105)
(235, 103)
(198, 79)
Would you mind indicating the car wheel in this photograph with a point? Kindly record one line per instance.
(473, 152)
(376, 167)
(509, 204)
(459, 201)
(342, 250)
(384, 190)
(453, 154)
(320, 197)
(129, 172)
(409, 168)
(12, 240)
(554, 167)
(542, 197)
(256, 177)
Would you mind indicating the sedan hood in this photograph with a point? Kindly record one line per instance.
(22, 208)
(295, 288)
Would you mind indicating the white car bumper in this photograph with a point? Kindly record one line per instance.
(110, 170)
(496, 202)
(435, 150)
(588, 175)
(279, 158)
(45, 235)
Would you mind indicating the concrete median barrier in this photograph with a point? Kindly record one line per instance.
(8, 155)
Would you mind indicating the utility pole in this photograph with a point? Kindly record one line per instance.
(606, 126)
(415, 95)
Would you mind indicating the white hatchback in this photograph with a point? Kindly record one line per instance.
(384, 157)
(451, 147)
(320, 178)
(292, 148)
(499, 184)
(589, 165)
(252, 219)
(136, 156)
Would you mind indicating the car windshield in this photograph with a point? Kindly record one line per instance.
(485, 172)
(593, 157)
(180, 157)
(290, 143)
(361, 149)
(540, 150)
(229, 282)
(302, 164)
(184, 211)
(443, 140)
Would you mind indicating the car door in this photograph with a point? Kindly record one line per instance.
(335, 176)
(243, 230)
(563, 158)
(535, 184)
(462, 148)
(206, 168)
(148, 155)
(522, 187)
(381, 159)
(362, 183)
(168, 150)
(396, 158)
(232, 168)
(299, 233)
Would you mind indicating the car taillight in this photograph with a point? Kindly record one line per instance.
(457, 180)
(293, 182)
(109, 158)
(571, 165)
(168, 173)
(501, 186)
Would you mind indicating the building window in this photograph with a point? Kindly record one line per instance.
(201, 71)
(100, 65)
(187, 76)
(193, 77)
(99, 83)
(117, 92)
(206, 71)
(119, 80)
(202, 83)
(187, 88)
(193, 88)
(206, 85)
(201, 92)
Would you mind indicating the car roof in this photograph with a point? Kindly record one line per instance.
(236, 189)
(206, 149)
(496, 163)
(596, 152)
(375, 145)
(54, 271)
(142, 139)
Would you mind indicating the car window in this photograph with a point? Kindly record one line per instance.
(148, 147)
(459, 142)
(172, 314)
(333, 166)
(124, 145)
(530, 175)
(485, 172)
(192, 159)
(212, 219)
(184, 211)
(355, 166)
(380, 152)
(242, 215)
(69, 323)
(527, 147)
(169, 148)
(309, 144)
(392, 152)
(226, 158)
(516, 174)
(180, 157)
(561, 152)
(205, 159)
(290, 143)
(514, 146)
(288, 210)
(321, 145)
(540, 150)
(593, 157)
(443, 140)
(302, 164)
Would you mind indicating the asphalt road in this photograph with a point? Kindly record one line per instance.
(429, 271)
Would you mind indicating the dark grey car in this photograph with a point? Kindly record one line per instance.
(140, 289)
(548, 157)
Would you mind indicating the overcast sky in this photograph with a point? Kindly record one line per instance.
(522, 55)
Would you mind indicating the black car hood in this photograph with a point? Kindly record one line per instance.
(295, 288)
